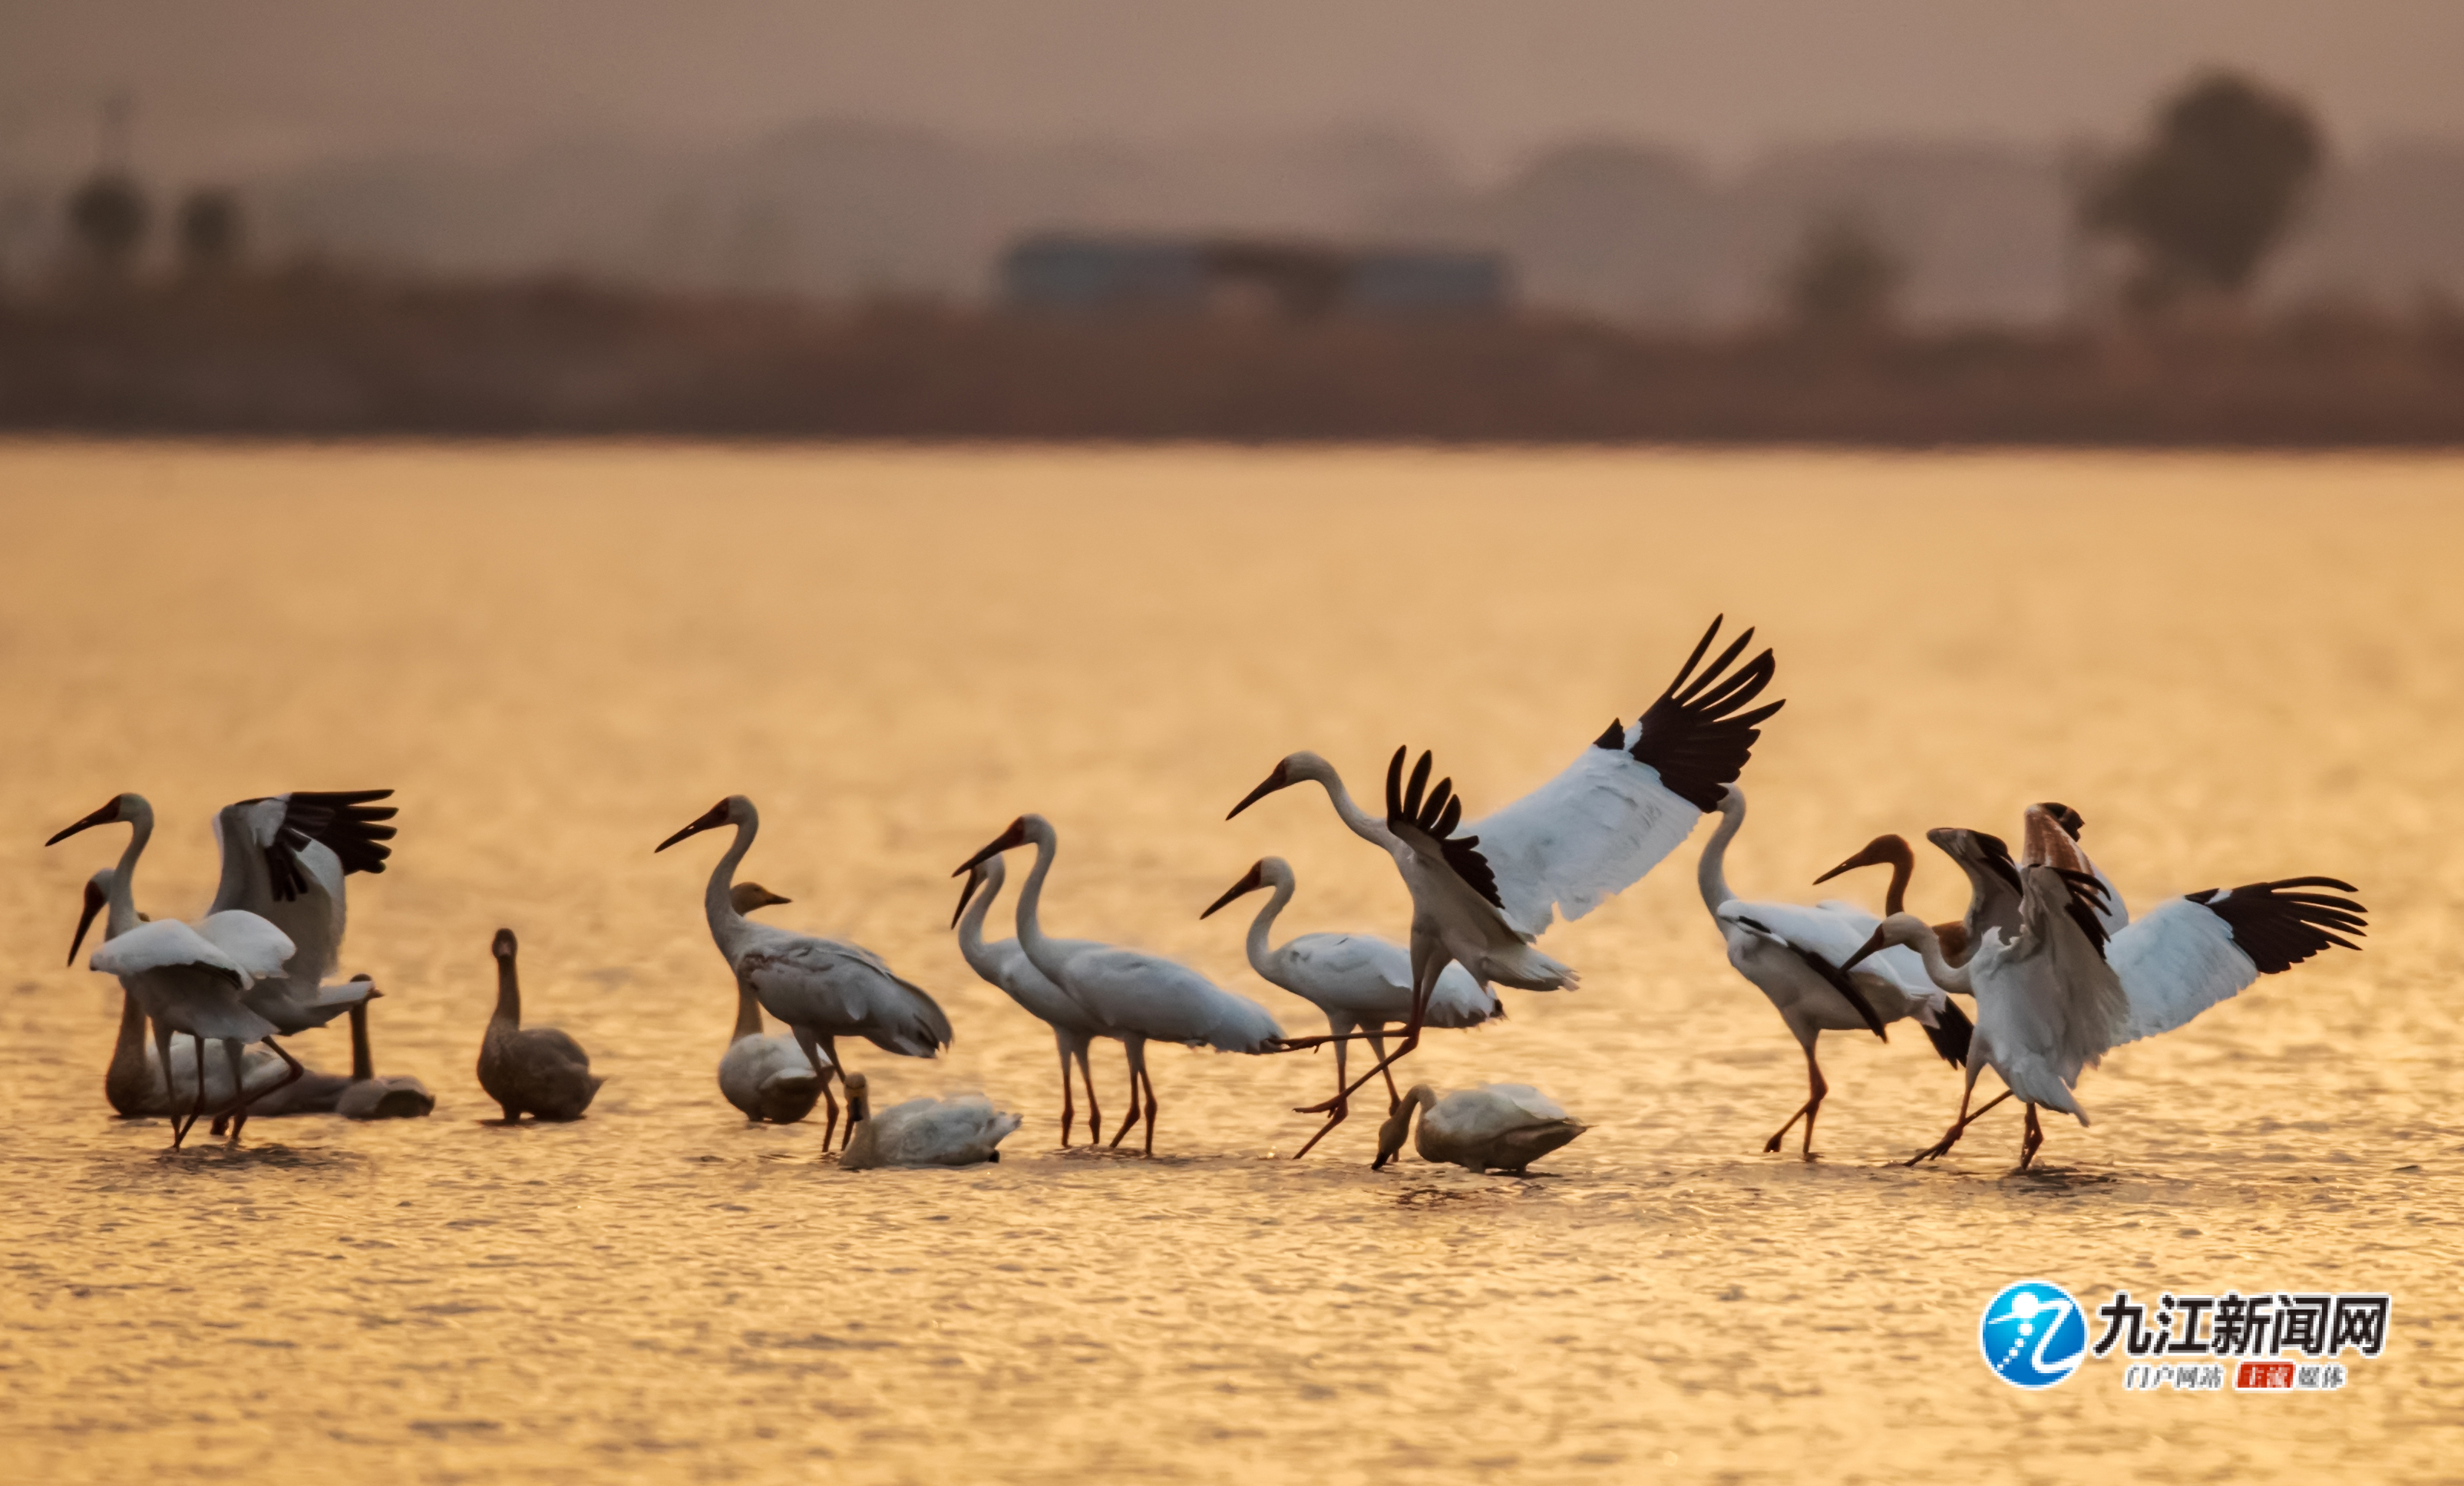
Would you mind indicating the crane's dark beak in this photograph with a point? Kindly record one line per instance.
(1015, 836)
(1875, 854)
(966, 893)
(1274, 781)
(714, 819)
(1251, 882)
(109, 813)
(1858, 958)
(95, 899)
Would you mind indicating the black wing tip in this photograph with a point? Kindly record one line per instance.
(2278, 927)
(1435, 813)
(1703, 729)
(1951, 1034)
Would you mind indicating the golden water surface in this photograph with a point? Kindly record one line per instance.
(2234, 668)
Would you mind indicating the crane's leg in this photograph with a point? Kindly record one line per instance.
(846, 1133)
(828, 1068)
(1148, 1079)
(1337, 1108)
(1378, 1045)
(2032, 1137)
(1959, 1126)
(1815, 1088)
(1426, 983)
(1068, 1110)
(1095, 1114)
(295, 1071)
(171, 1087)
(1137, 1051)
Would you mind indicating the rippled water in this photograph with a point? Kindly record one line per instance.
(2233, 668)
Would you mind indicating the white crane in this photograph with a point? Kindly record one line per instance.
(1003, 963)
(963, 1131)
(823, 989)
(1357, 980)
(186, 977)
(1482, 898)
(1139, 997)
(285, 858)
(1494, 1128)
(763, 1073)
(1794, 956)
(134, 1080)
(2055, 997)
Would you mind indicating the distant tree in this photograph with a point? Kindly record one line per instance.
(107, 218)
(211, 236)
(1843, 280)
(2214, 188)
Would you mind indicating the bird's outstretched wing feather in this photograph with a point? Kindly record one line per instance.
(1633, 796)
(2192, 951)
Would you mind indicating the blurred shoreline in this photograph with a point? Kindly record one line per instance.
(315, 353)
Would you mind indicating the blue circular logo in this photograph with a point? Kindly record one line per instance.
(2033, 1335)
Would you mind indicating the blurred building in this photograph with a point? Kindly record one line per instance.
(1298, 280)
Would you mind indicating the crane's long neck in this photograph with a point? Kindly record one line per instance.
(1030, 905)
(364, 1062)
(509, 996)
(131, 1042)
(971, 923)
(748, 1012)
(726, 925)
(1261, 953)
(123, 876)
(1711, 872)
(1366, 826)
(1946, 974)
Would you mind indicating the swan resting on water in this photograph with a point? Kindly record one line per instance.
(1494, 1128)
(961, 1131)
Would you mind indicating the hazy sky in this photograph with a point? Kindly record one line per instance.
(236, 85)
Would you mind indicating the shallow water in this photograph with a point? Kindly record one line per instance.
(2234, 668)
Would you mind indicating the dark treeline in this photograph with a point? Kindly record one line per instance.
(321, 355)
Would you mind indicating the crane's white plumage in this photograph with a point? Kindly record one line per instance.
(823, 989)
(1581, 839)
(240, 946)
(1799, 958)
(1003, 963)
(1134, 996)
(1480, 898)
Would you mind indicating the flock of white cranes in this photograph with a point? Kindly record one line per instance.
(2056, 969)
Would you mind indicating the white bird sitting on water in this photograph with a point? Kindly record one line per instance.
(1357, 980)
(2056, 998)
(1139, 997)
(823, 989)
(188, 978)
(1003, 963)
(371, 1096)
(1481, 899)
(963, 1132)
(764, 1073)
(1794, 954)
(1494, 1128)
